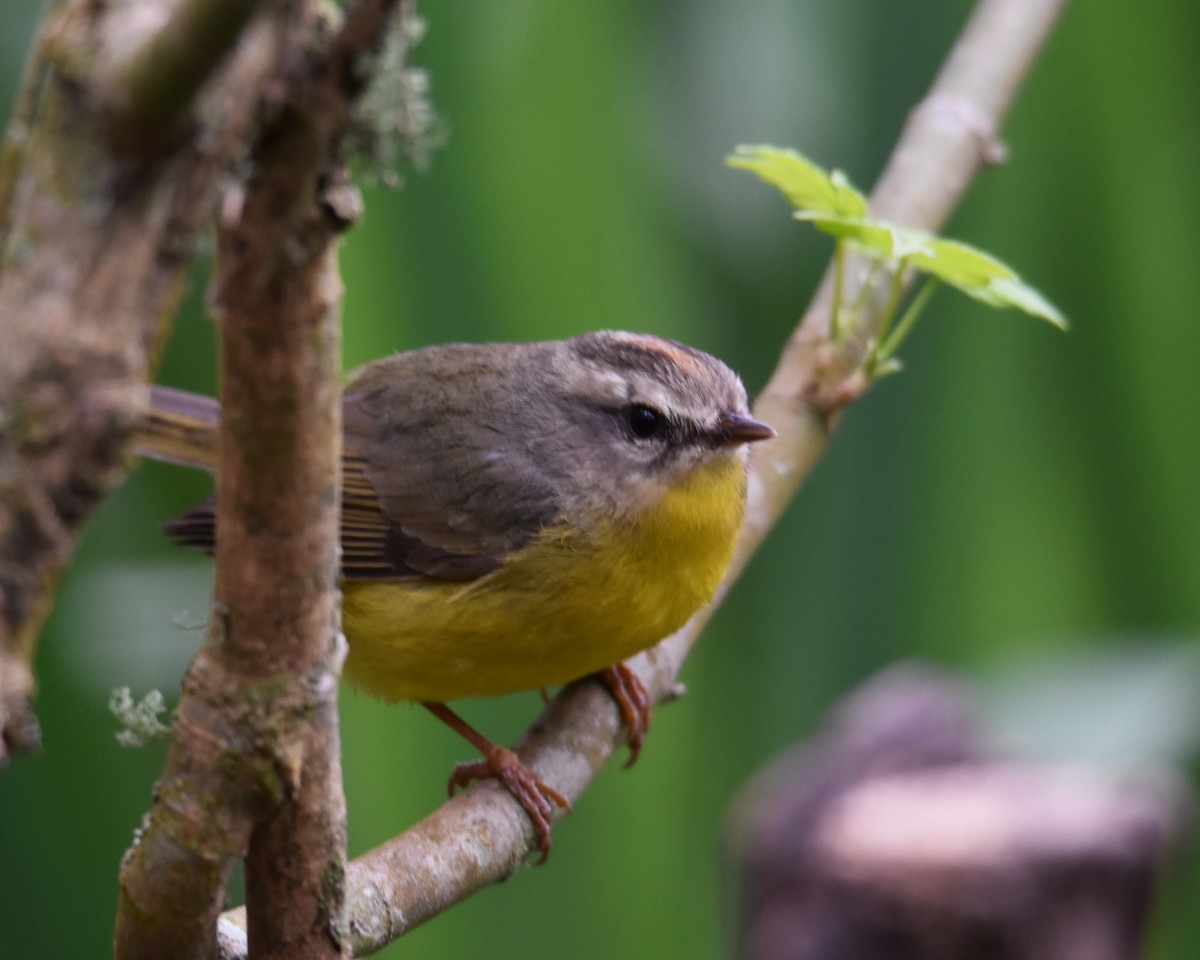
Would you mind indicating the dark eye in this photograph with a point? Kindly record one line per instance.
(644, 422)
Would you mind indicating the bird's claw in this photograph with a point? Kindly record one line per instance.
(633, 699)
(535, 796)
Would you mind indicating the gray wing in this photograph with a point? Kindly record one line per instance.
(439, 480)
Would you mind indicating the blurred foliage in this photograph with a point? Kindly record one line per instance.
(1015, 495)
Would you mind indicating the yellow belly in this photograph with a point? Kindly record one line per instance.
(568, 605)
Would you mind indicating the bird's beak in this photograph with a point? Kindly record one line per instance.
(735, 428)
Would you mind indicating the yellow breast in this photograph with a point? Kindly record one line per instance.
(571, 603)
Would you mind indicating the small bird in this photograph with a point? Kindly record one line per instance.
(516, 516)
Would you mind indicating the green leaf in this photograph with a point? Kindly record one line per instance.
(1014, 292)
(831, 204)
(872, 236)
(982, 276)
(975, 273)
(806, 185)
(960, 264)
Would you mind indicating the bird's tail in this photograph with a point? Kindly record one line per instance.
(181, 428)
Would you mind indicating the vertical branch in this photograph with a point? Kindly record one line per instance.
(260, 700)
(278, 499)
(276, 297)
(281, 389)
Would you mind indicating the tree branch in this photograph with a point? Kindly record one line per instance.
(95, 249)
(158, 82)
(481, 837)
(254, 767)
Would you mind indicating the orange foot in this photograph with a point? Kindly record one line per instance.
(634, 700)
(534, 795)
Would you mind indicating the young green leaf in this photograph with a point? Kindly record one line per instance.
(960, 264)
(832, 205)
(1016, 293)
(806, 185)
(982, 276)
(975, 273)
(872, 237)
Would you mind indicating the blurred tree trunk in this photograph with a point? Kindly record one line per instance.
(893, 835)
(103, 190)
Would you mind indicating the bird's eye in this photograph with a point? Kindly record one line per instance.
(644, 421)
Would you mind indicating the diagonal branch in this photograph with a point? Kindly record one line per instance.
(480, 837)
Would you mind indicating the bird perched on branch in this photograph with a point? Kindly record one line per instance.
(517, 515)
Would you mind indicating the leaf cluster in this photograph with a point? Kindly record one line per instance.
(828, 201)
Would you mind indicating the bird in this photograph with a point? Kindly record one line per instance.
(516, 516)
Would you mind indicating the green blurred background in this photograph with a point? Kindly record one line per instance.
(1018, 505)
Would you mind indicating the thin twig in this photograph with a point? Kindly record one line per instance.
(839, 285)
(891, 343)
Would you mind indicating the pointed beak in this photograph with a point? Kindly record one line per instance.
(735, 428)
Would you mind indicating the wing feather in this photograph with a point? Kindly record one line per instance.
(419, 500)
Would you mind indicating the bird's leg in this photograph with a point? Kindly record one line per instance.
(526, 787)
(634, 701)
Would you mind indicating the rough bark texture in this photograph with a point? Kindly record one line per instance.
(255, 750)
(892, 836)
(97, 229)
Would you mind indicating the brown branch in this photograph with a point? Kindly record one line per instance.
(95, 248)
(156, 85)
(254, 764)
(481, 837)
(277, 553)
